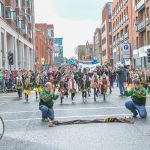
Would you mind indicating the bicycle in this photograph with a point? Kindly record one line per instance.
(2, 127)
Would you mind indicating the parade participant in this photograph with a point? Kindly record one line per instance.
(138, 95)
(1, 80)
(37, 86)
(111, 79)
(72, 87)
(63, 89)
(143, 79)
(84, 88)
(95, 85)
(27, 87)
(19, 84)
(47, 96)
(104, 84)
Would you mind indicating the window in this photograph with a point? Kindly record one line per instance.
(28, 3)
(1, 10)
(126, 29)
(148, 37)
(18, 3)
(30, 19)
(103, 41)
(104, 53)
(8, 12)
(103, 28)
(18, 22)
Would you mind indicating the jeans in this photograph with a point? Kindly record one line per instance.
(47, 112)
(134, 108)
(121, 88)
(19, 92)
(1, 85)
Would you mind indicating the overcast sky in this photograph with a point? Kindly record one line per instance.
(74, 20)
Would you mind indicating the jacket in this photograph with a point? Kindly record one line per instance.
(46, 98)
(122, 75)
(138, 95)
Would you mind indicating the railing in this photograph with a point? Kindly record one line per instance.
(142, 26)
(140, 5)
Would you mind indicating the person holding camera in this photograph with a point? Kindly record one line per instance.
(47, 95)
(138, 95)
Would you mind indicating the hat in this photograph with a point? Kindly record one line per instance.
(47, 84)
(136, 81)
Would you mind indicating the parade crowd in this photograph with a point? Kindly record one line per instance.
(61, 82)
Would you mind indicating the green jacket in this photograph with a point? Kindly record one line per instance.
(138, 95)
(46, 96)
(139, 92)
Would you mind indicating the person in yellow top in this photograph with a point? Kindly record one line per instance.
(27, 87)
(37, 85)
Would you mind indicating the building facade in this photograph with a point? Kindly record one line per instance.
(17, 33)
(48, 30)
(97, 45)
(142, 36)
(58, 52)
(81, 51)
(123, 31)
(106, 34)
(40, 49)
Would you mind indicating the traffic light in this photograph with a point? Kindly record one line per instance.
(10, 58)
(148, 55)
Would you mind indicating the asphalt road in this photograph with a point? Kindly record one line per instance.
(25, 131)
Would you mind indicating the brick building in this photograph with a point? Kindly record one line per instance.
(48, 30)
(106, 34)
(40, 49)
(97, 45)
(17, 33)
(142, 36)
(122, 28)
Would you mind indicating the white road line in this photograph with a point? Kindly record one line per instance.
(68, 117)
(2, 104)
(73, 109)
(12, 96)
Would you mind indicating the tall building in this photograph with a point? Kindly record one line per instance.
(123, 31)
(41, 47)
(58, 52)
(97, 45)
(142, 36)
(48, 30)
(106, 34)
(17, 33)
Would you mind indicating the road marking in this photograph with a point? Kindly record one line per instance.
(68, 117)
(73, 109)
(2, 104)
(8, 96)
